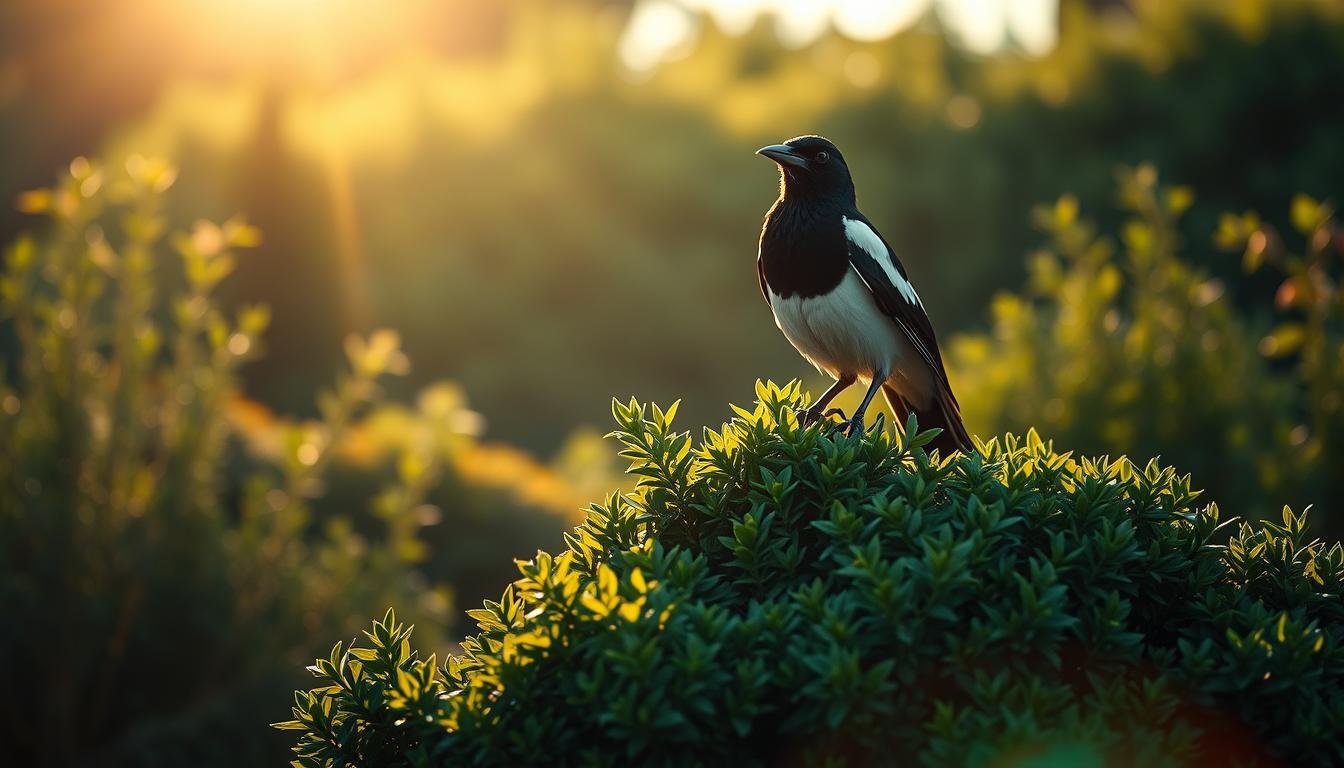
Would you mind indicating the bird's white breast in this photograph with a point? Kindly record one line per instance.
(842, 331)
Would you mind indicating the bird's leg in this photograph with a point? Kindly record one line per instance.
(818, 409)
(856, 423)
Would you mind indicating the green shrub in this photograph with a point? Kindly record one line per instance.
(1121, 344)
(161, 578)
(150, 597)
(786, 595)
(1310, 335)
(1126, 347)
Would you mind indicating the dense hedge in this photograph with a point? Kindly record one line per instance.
(787, 595)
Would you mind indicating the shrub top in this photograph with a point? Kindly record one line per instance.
(785, 595)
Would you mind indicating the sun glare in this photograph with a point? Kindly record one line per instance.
(658, 28)
(1034, 24)
(282, 7)
(980, 26)
(655, 31)
(867, 20)
(313, 41)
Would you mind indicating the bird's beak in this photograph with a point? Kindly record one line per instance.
(783, 154)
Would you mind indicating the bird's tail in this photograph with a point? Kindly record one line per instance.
(942, 413)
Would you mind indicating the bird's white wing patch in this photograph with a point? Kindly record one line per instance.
(863, 236)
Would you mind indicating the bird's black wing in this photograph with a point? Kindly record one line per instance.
(760, 275)
(904, 308)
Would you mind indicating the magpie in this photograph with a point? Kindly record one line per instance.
(843, 299)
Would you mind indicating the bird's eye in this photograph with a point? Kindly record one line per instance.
(823, 157)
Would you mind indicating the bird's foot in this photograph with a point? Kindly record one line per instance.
(809, 416)
(832, 413)
(855, 426)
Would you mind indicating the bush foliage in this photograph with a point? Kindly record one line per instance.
(167, 563)
(775, 594)
(1121, 343)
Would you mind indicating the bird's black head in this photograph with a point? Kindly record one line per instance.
(811, 166)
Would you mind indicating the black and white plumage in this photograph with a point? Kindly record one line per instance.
(843, 298)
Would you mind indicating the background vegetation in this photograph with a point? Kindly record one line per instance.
(1127, 240)
(171, 549)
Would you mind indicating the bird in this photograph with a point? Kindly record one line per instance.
(843, 299)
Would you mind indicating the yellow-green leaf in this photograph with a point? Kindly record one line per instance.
(1179, 199)
(1283, 340)
(1307, 214)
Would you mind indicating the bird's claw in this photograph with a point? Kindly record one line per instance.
(855, 426)
(809, 416)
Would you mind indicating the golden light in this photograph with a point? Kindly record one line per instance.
(314, 41)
